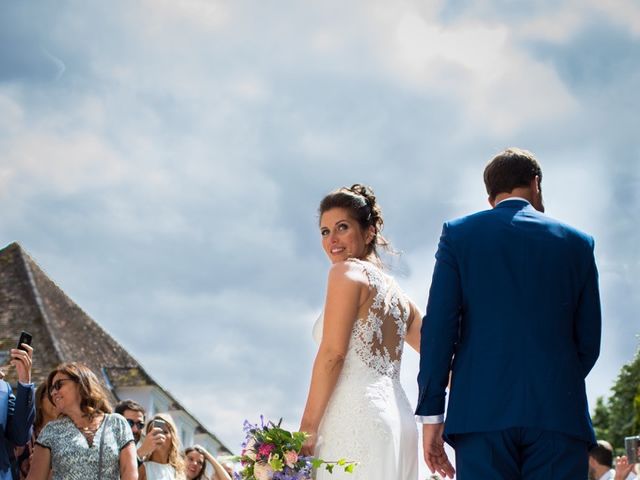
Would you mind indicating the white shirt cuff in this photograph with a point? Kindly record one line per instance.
(430, 419)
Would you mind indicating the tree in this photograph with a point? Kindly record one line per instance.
(600, 419)
(620, 416)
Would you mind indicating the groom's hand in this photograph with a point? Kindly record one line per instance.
(434, 454)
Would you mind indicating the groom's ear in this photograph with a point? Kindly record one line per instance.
(536, 184)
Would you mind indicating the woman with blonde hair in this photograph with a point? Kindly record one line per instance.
(87, 440)
(165, 462)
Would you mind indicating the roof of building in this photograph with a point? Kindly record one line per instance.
(62, 331)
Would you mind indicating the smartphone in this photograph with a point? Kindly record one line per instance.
(159, 423)
(25, 337)
(631, 445)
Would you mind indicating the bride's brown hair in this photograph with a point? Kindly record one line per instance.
(360, 201)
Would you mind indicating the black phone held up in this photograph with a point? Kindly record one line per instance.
(25, 337)
(158, 423)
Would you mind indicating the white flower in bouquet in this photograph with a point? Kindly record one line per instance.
(263, 471)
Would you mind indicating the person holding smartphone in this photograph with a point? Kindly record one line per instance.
(134, 414)
(165, 462)
(17, 412)
(603, 467)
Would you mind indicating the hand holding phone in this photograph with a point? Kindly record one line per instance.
(159, 423)
(21, 357)
(25, 337)
(631, 445)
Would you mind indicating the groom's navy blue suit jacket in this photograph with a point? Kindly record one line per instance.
(514, 312)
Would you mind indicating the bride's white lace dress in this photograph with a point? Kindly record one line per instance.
(369, 418)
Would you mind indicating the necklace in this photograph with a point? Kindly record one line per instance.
(89, 431)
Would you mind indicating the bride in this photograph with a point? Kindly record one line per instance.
(356, 408)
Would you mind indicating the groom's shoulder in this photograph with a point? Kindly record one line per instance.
(568, 231)
(484, 218)
(469, 220)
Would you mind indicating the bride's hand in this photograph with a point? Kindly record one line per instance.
(309, 445)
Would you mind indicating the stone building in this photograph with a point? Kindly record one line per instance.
(63, 332)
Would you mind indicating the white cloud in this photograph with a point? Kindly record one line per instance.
(249, 88)
(11, 113)
(623, 12)
(66, 163)
(204, 14)
(501, 87)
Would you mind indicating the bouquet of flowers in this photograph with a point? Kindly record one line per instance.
(270, 452)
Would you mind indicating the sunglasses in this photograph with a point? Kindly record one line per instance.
(57, 385)
(132, 423)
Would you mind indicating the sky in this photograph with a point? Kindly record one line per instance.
(163, 161)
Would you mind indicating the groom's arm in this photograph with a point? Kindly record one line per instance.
(439, 332)
(588, 318)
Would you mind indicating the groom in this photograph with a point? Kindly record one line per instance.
(513, 327)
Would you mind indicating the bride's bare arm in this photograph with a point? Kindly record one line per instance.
(345, 288)
(413, 332)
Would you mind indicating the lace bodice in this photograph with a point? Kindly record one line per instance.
(377, 339)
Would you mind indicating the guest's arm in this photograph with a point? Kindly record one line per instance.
(128, 462)
(40, 463)
(218, 470)
(21, 407)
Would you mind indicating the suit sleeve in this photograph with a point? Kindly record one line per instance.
(21, 415)
(440, 328)
(588, 319)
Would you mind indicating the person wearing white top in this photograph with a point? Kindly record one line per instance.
(166, 462)
(159, 471)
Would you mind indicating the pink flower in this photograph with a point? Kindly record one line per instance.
(290, 458)
(265, 450)
(262, 471)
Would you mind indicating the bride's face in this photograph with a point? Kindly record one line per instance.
(342, 236)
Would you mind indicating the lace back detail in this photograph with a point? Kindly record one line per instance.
(378, 338)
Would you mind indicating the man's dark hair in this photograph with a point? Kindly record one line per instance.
(602, 453)
(129, 405)
(510, 169)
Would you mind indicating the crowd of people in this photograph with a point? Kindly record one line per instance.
(67, 429)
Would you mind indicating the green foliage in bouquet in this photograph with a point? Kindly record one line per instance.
(270, 452)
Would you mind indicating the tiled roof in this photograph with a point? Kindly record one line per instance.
(62, 331)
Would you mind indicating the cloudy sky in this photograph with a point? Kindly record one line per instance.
(162, 160)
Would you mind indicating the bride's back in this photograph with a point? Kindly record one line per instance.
(379, 331)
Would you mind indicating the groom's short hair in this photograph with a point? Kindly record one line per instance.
(602, 453)
(510, 169)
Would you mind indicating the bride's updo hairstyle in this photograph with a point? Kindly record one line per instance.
(360, 201)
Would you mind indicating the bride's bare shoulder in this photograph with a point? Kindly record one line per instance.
(347, 271)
